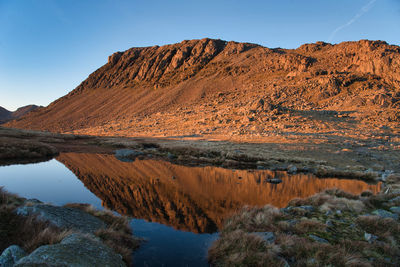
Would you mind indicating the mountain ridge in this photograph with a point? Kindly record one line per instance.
(6, 115)
(144, 91)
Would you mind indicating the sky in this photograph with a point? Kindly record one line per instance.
(48, 47)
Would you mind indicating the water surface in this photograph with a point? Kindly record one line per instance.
(179, 209)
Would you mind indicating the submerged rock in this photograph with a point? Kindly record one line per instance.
(292, 169)
(11, 255)
(64, 217)
(74, 250)
(274, 181)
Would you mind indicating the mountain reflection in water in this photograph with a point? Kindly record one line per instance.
(195, 199)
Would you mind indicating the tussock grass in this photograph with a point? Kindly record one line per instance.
(241, 249)
(26, 231)
(253, 220)
(30, 233)
(337, 218)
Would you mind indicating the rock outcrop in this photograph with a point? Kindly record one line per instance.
(11, 255)
(64, 217)
(74, 250)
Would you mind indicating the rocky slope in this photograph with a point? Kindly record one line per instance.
(229, 89)
(6, 115)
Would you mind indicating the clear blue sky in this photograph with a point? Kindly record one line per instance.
(47, 47)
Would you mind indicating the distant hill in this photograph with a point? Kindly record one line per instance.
(6, 115)
(215, 87)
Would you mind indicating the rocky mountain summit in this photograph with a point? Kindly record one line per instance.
(6, 115)
(233, 91)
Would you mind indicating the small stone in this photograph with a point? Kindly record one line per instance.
(385, 214)
(395, 210)
(292, 169)
(370, 237)
(319, 239)
(329, 223)
(329, 212)
(11, 255)
(338, 212)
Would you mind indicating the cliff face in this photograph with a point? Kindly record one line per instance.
(196, 199)
(216, 86)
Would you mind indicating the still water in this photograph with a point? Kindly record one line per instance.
(178, 209)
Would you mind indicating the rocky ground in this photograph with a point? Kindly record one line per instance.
(37, 234)
(331, 228)
(357, 158)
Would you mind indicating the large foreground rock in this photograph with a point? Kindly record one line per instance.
(74, 250)
(64, 217)
(11, 255)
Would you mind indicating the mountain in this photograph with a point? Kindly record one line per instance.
(230, 89)
(6, 115)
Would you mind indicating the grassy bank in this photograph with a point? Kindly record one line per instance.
(331, 228)
(29, 232)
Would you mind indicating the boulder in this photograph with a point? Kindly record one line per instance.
(64, 217)
(74, 250)
(11, 255)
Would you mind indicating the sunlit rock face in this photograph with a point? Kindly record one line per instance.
(195, 199)
(210, 86)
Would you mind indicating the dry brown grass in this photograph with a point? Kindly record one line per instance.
(31, 233)
(381, 227)
(25, 231)
(241, 249)
(344, 243)
(253, 220)
(333, 199)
